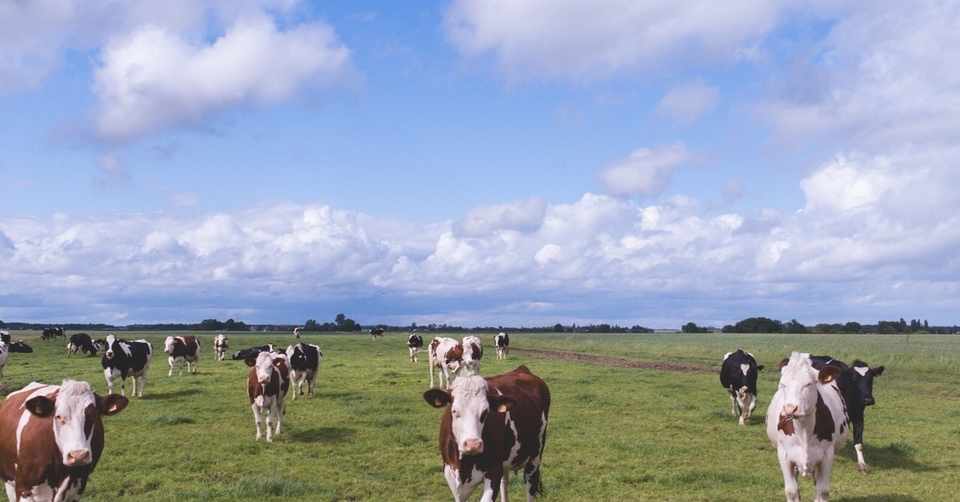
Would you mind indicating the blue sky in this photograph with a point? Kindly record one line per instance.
(477, 162)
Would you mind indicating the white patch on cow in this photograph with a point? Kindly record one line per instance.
(862, 370)
(126, 348)
(860, 460)
(11, 488)
(70, 417)
(725, 356)
(744, 368)
(469, 403)
(69, 490)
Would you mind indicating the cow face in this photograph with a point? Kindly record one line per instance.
(470, 406)
(264, 364)
(745, 399)
(798, 385)
(862, 376)
(112, 347)
(76, 410)
(168, 344)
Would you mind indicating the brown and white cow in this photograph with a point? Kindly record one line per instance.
(472, 353)
(491, 426)
(220, 345)
(182, 350)
(807, 421)
(414, 344)
(267, 385)
(446, 356)
(51, 438)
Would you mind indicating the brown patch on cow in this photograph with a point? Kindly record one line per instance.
(616, 362)
(828, 374)
(454, 354)
(785, 424)
(824, 426)
(783, 362)
(477, 351)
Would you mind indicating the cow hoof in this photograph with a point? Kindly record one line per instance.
(863, 468)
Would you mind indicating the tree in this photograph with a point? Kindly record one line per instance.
(310, 325)
(340, 319)
(755, 325)
(558, 328)
(852, 327)
(692, 327)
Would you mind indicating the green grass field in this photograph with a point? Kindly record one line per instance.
(616, 432)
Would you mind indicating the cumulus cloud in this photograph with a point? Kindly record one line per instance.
(589, 40)
(688, 102)
(646, 171)
(521, 216)
(155, 78)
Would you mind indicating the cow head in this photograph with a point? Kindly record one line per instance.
(113, 345)
(798, 385)
(264, 364)
(745, 399)
(168, 344)
(470, 405)
(76, 411)
(861, 375)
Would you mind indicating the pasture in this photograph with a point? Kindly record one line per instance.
(634, 417)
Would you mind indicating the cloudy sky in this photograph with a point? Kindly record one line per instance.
(479, 161)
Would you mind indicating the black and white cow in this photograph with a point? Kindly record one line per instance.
(4, 336)
(856, 383)
(304, 359)
(414, 344)
(807, 421)
(244, 354)
(297, 332)
(101, 345)
(472, 354)
(182, 350)
(7, 348)
(738, 375)
(502, 343)
(376, 333)
(124, 359)
(49, 333)
(220, 345)
(81, 342)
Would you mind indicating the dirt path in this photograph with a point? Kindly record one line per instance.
(615, 362)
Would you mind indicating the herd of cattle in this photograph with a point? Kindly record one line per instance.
(51, 436)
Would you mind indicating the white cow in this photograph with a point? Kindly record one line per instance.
(807, 421)
(472, 353)
(446, 355)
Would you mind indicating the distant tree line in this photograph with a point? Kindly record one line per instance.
(766, 325)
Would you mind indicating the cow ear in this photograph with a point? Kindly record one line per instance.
(760, 367)
(828, 374)
(437, 398)
(251, 362)
(502, 404)
(278, 361)
(783, 363)
(877, 371)
(41, 406)
(111, 404)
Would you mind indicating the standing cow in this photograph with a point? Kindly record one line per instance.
(51, 438)
(502, 343)
(472, 354)
(738, 375)
(376, 333)
(446, 356)
(489, 427)
(182, 350)
(124, 359)
(807, 422)
(267, 383)
(414, 344)
(4, 336)
(50, 333)
(856, 383)
(81, 342)
(304, 361)
(220, 346)
(297, 332)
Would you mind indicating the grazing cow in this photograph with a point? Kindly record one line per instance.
(51, 438)
(304, 362)
(491, 426)
(124, 359)
(502, 343)
(446, 355)
(182, 350)
(414, 344)
(49, 333)
(100, 344)
(267, 385)
(472, 354)
(220, 346)
(81, 342)
(376, 333)
(297, 332)
(807, 421)
(856, 383)
(738, 375)
(243, 355)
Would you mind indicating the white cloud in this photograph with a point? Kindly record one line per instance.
(589, 40)
(155, 78)
(688, 102)
(521, 216)
(645, 172)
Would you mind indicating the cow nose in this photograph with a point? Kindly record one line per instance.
(78, 457)
(868, 401)
(790, 410)
(473, 447)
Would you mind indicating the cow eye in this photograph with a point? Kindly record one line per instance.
(60, 419)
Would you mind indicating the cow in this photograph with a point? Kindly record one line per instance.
(81, 342)
(51, 438)
(49, 333)
(856, 383)
(220, 346)
(182, 350)
(4, 336)
(489, 427)
(7, 348)
(472, 354)
(297, 332)
(376, 333)
(101, 345)
(446, 356)
(244, 354)
(267, 383)
(807, 421)
(502, 343)
(738, 375)
(304, 361)
(414, 344)
(124, 359)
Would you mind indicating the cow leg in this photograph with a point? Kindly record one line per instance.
(430, 369)
(504, 486)
(822, 478)
(733, 406)
(278, 408)
(258, 420)
(790, 486)
(857, 419)
(171, 361)
(139, 382)
(11, 488)
(492, 484)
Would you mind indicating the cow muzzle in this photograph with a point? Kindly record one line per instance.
(869, 401)
(78, 457)
(473, 447)
(790, 411)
